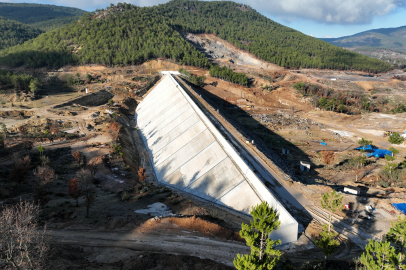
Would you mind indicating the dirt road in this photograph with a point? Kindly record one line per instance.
(183, 243)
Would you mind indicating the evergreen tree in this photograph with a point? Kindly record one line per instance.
(35, 85)
(332, 201)
(397, 234)
(132, 35)
(380, 255)
(364, 142)
(395, 138)
(327, 242)
(265, 220)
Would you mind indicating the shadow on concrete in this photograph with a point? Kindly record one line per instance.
(265, 141)
(268, 142)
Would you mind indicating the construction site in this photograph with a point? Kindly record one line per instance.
(210, 153)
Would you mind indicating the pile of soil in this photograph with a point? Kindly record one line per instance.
(19, 115)
(94, 99)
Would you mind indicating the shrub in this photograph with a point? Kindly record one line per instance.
(69, 80)
(126, 196)
(384, 184)
(395, 138)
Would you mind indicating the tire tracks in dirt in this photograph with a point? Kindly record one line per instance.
(180, 244)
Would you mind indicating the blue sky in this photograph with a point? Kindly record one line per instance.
(320, 18)
(320, 29)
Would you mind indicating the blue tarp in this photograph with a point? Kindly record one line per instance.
(401, 207)
(372, 151)
(367, 147)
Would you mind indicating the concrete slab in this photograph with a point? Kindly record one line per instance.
(190, 154)
(216, 182)
(173, 146)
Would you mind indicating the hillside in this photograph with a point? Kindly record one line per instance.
(44, 17)
(127, 34)
(13, 33)
(387, 44)
(388, 38)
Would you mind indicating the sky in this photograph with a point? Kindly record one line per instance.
(318, 18)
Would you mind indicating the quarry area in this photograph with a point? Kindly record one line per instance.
(182, 214)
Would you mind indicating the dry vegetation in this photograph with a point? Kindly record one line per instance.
(80, 165)
(92, 173)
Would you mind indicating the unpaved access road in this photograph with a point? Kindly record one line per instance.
(181, 243)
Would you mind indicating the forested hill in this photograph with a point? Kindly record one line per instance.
(13, 33)
(388, 38)
(126, 34)
(44, 17)
(273, 42)
(119, 35)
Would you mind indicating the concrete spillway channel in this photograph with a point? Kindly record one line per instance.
(189, 153)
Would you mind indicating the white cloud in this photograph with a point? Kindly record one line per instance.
(331, 11)
(326, 11)
(327, 36)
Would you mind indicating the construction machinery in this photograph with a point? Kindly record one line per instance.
(387, 133)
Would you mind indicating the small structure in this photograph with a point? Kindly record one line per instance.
(285, 151)
(352, 190)
(304, 166)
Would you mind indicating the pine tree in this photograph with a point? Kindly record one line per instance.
(327, 242)
(332, 201)
(364, 142)
(35, 85)
(379, 255)
(397, 234)
(395, 138)
(265, 220)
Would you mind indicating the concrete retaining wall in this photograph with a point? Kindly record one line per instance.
(190, 154)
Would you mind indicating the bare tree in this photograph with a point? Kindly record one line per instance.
(74, 190)
(77, 156)
(20, 169)
(27, 144)
(44, 176)
(85, 179)
(54, 127)
(23, 245)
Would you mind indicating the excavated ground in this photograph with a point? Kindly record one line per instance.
(273, 119)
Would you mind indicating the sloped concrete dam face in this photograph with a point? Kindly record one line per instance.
(190, 154)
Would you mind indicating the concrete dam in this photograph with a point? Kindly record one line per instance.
(189, 153)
